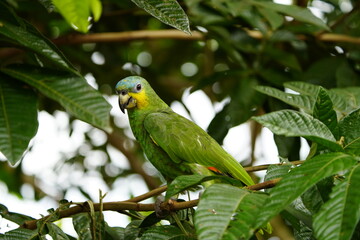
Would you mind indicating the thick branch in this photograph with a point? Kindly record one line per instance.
(127, 36)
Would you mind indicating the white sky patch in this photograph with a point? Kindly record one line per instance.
(200, 107)
(189, 69)
(144, 59)
(91, 80)
(98, 58)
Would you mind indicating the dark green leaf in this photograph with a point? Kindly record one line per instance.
(114, 233)
(349, 128)
(295, 124)
(299, 13)
(21, 234)
(13, 217)
(225, 211)
(20, 33)
(304, 102)
(275, 19)
(303, 88)
(71, 91)
(345, 100)
(132, 230)
(339, 216)
(323, 110)
(169, 12)
(168, 232)
(55, 232)
(18, 118)
(288, 147)
(89, 227)
(300, 179)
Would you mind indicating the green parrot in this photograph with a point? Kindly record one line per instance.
(173, 144)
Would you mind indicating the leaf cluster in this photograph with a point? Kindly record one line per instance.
(275, 64)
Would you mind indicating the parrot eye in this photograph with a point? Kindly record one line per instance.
(138, 87)
(123, 92)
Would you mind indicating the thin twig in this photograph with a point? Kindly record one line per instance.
(266, 166)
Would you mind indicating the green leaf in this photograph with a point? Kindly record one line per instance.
(323, 110)
(20, 234)
(295, 124)
(349, 128)
(55, 232)
(277, 171)
(299, 13)
(300, 179)
(182, 183)
(132, 230)
(115, 233)
(12, 216)
(345, 100)
(77, 12)
(166, 232)
(304, 102)
(71, 91)
(89, 227)
(303, 88)
(339, 216)
(227, 212)
(18, 118)
(20, 33)
(169, 12)
(275, 19)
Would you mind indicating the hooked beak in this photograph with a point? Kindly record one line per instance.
(126, 101)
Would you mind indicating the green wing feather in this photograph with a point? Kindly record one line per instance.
(186, 142)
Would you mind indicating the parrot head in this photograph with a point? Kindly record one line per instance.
(133, 93)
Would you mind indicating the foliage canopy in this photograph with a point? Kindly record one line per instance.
(279, 66)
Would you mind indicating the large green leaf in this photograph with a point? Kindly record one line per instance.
(78, 12)
(227, 212)
(300, 179)
(169, 12)
(89, 225)
(168, 232)
(304, 102)
(339, 216)
(345, 100)
(70, 90)
(55, 232)
(22, 34)
(295, 124)
(350, 130)
(299, 13)
(324, 111)
(18, 118)
(20, 234)
(303, 88)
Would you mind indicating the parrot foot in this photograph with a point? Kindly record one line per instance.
(162, 207)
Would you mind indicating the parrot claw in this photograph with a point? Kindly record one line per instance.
(160, 212)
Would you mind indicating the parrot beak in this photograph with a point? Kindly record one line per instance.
(126, 101)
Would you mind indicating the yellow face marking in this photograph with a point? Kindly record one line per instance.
(142, 100)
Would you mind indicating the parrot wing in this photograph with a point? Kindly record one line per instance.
(186, 142)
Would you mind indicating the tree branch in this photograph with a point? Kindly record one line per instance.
(132, 204)
(178, 35)
(266, 166)
(127, 36)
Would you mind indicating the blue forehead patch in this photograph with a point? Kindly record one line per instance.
(128, 82)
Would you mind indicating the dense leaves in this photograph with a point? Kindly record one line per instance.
(292, 72)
